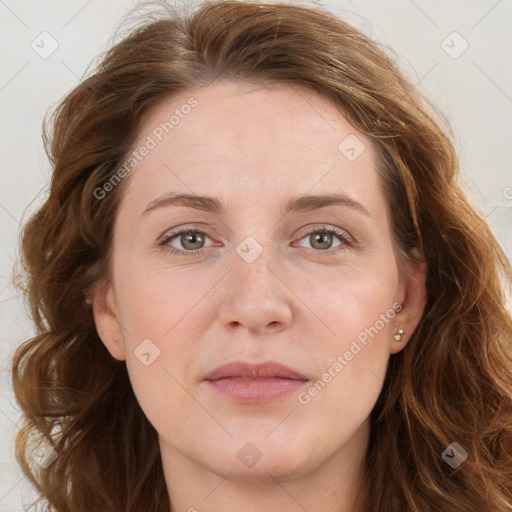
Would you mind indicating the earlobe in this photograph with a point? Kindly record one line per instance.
(413, 302)
(105, 317)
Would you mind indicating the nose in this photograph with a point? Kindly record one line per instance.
(256, 297)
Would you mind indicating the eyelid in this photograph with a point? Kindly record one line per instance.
(313, 228)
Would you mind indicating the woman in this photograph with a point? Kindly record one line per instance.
(258, 283)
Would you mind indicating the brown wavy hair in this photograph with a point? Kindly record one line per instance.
(453, 380)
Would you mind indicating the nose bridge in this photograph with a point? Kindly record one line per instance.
(254, 267)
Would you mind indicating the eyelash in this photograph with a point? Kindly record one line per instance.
(345, 239)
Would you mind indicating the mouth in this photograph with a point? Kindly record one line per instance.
(255, 383)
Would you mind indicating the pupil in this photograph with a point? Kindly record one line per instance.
(192, 238)
(326, 239)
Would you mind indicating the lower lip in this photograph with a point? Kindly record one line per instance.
(255, 391)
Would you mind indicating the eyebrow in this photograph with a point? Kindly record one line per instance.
(213, 205)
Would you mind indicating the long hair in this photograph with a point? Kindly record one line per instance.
(451, 383)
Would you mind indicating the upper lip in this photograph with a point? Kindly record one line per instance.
(248, 370)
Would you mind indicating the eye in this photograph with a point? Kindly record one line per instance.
(191, 241)
(322, 238)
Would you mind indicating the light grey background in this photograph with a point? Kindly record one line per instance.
(474, 90)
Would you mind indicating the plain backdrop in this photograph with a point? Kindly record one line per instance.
(459, 53)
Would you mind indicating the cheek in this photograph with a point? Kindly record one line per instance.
(163, 322)
(351, 348)
(353, 303)
(351, 364)
(157, 302)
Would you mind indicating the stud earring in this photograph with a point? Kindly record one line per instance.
(398, 335)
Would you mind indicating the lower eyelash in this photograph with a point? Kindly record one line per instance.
(342, 236)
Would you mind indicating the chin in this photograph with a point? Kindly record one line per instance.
(256, 456)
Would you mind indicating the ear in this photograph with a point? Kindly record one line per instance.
(104, 310)
(413, 299)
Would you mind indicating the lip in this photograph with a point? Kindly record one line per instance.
(255, 383)
(267, 370)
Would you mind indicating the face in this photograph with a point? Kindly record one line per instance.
(289, 261)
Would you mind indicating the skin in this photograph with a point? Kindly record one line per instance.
(299, 302)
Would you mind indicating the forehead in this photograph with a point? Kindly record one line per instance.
(254, 138)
